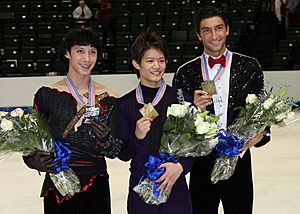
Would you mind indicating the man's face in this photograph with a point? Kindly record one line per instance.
(151, 68)
(82, 59)
(213, 33)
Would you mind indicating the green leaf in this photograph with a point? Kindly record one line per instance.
(204, 114)
(168, 126)
(185, 137)
(283, 92)
(214, 119)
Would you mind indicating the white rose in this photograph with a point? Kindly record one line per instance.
(280, 104)
(202, 128)
(18, 112)
(198, 120)
(291, 115)
(6, 125)
(213, 126)
(187, 104)
(281, 116)
(213, 142)
(212, 132)
(177, 110)
(268, 103)
(289, 118)
(251, 98)
(3, 113)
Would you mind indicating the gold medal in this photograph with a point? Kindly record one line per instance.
(209, 87)
(149, 111)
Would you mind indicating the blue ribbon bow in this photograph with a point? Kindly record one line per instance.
(62, 155)
(229, 145)
(152, 170)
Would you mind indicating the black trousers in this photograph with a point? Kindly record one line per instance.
(94, 200)
(236, 193)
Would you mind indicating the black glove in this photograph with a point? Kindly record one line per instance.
(108, 145)
(100, 129)
(40, 160)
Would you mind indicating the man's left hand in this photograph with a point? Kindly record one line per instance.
(252, 142)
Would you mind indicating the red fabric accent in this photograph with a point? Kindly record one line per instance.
(221, 60)
(84, 162)
(59, 201)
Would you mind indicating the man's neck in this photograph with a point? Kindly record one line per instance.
(81, 82)
(216, 55)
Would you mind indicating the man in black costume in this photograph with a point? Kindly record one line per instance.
(220, 81)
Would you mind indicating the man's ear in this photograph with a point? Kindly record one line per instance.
(227, 30)
(199, 37)
(135, 64)
(67, 55)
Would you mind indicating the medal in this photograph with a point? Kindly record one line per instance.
(91, 113)
(209, 87)
(148, 110)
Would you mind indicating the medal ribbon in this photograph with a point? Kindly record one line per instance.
(72, 88)
(158, 96)
(221, 70)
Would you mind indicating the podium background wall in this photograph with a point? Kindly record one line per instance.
(19, 91)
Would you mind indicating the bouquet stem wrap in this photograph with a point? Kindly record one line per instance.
(147, 187)
(64, 178)
(228, 150)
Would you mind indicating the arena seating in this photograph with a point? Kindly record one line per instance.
(31, 32)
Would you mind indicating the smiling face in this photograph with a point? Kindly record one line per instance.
(151, 68)
(213, 33)
(82, 59)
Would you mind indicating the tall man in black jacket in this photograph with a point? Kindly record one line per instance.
(232, 76)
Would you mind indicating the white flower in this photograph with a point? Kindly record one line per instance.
(281, 116)
(268, 103)
(202, 128)
(177, 110)
(18, 112)
(213, 130)
(6, 125)
(187, 104)
(213, 142)
(3, 113)
(289, 117)
(198, 120)
(280, 105)
(251, 98)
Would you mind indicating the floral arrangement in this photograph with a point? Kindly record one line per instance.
(188, 131)
(27, 133)
(269, 108)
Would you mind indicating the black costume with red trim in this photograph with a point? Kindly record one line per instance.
(87, 160)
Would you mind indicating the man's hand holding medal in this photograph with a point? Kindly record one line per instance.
(203, 98)
(143, 125)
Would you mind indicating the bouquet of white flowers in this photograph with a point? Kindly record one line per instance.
(269, 108)
(27, 133)
(188, 131)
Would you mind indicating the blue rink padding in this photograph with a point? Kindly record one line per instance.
(26, 109)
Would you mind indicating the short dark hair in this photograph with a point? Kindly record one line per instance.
(79, 36)
(208, 11)
(144, 42)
